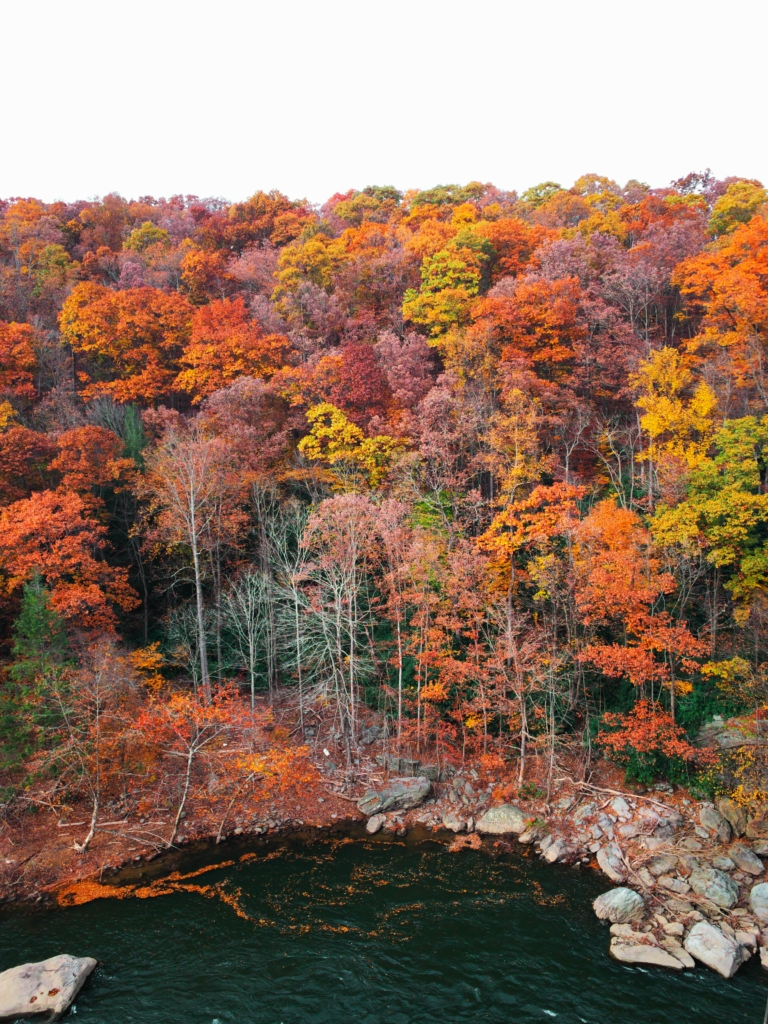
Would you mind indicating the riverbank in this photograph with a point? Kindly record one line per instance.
(687, 861)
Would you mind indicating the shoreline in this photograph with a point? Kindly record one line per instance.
(653, 843)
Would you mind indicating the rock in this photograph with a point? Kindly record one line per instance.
(621, 807)
(757, 828)
(674, 928)
(529, 836)
(674, 884)
(643, 954)
(691, 844)
(760, 847)
(557, 850)
(748, 939)
(702, 833)
(723, 863)
(396, 795)
(735, 815)
(629, 831)
(369, 734)
(715, 886)
(619, 906)
(745, 859)
(623, 931)
(646, 878)
(764, 958)
(662, 864)
(686, 865)
(718, 951)
(498, 821)
(758, 898)
(609, 859)
(585, 811)
(713, 820)
(651, 843)
(374, 823)
(680, 906)
(48, 987)
(728, 735)
(453, 822)
(673, 947)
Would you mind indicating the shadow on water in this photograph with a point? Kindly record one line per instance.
(347, 927)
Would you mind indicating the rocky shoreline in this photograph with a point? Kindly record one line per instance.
(697, 870)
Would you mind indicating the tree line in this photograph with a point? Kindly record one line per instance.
(492, 465)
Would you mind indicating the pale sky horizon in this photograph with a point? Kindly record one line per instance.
(164, 97)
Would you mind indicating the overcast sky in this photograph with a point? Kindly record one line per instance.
(221, 98)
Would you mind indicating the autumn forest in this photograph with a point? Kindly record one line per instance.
(485, 472)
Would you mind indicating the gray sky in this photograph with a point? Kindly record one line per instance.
(223, 98)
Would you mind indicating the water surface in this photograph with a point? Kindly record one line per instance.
(367, 931)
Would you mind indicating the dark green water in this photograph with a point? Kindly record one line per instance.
(369, 931)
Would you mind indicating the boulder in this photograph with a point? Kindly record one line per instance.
(757, 828)
(500, 820)
(760, 847)
(713, 820)
(374, 823)
(673, 947)
(611, 863)
(745, 859)
(453, 822)
(558, 850)
(715, 886)
(619, 906)
(48, 987)
(735, 815)
(621, 807)
(643, 954)
(395, 795)
(723, 864)
(758, 898)
(662, 864)
(674, 884)
(584, 812)
(718, 951)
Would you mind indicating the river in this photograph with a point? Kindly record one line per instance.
(365, 930)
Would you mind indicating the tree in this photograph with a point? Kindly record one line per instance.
(225, 344)
(17, 361)
(55, 536)
(132, 340)
(40, 640)
(726, 289)
(189, 478)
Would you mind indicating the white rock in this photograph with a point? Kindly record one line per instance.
(453, 822)
(644, 955)
(374, 823)
(556, 851)
(501, 820)
(758, 898)
(718, 951)
(748, 939)
(745, 859)
(48, 987)
(674, 884)
(609, 859)
(619, 906)
(677, 951)
(621, 807)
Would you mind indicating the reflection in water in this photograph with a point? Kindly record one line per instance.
(360, 929)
